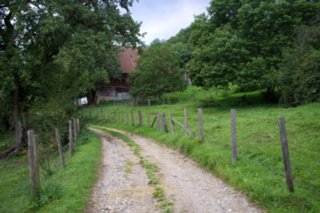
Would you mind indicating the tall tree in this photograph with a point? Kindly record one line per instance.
(242, 42)
(53, 51)
(157, 72)
(300, 70)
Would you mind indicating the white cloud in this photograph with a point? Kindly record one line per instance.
(164, 18)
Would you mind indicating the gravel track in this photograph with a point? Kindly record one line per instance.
(191, 188)
(122, 184)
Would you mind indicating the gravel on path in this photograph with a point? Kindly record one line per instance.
(191, 188)
(122, 184)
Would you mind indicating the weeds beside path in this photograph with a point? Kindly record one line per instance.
(65, 190)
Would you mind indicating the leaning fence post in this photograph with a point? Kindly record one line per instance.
(201, 134)
(132, 118)
(33, 167)
(164, 123)
(285, 154)
(233, 135)
(171, 123)
(71, 148)
(140, 118)
(58, 139)
(148, 118)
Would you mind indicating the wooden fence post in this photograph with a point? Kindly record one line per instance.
(185, 118)
(71, 148)
(78, 124)
(171, 123)
(148, 118)
(33, 163)
(157, 121)
(140, 118)
(75, 129)
(164, 123)
(132, 118)
(233, 135)
(127, 117)
(285, 154)
(149, 103)
(154, 120)
(58, 139)
(201, 134)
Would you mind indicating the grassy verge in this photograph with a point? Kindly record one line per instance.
(65, 190)
(259, 169)
(151, 169)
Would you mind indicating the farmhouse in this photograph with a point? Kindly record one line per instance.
(118, 88)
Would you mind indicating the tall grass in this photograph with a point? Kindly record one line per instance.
(64, 190)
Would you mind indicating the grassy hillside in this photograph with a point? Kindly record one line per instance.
(259, 169)
(65, 190)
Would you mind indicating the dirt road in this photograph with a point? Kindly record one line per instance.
(191, 189)
(122, 184)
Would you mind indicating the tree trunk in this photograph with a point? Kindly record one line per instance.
(271, 95)
(17, 123)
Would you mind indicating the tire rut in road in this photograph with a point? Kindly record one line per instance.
(123, 184)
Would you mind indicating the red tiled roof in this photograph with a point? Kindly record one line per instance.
(128, 60)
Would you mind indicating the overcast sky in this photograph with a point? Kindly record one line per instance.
(164, 18)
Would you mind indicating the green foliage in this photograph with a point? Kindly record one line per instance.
(221, 57)
(53, 52)
(157, 72)
(300, 71)
(243, 42)
(181, 47)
